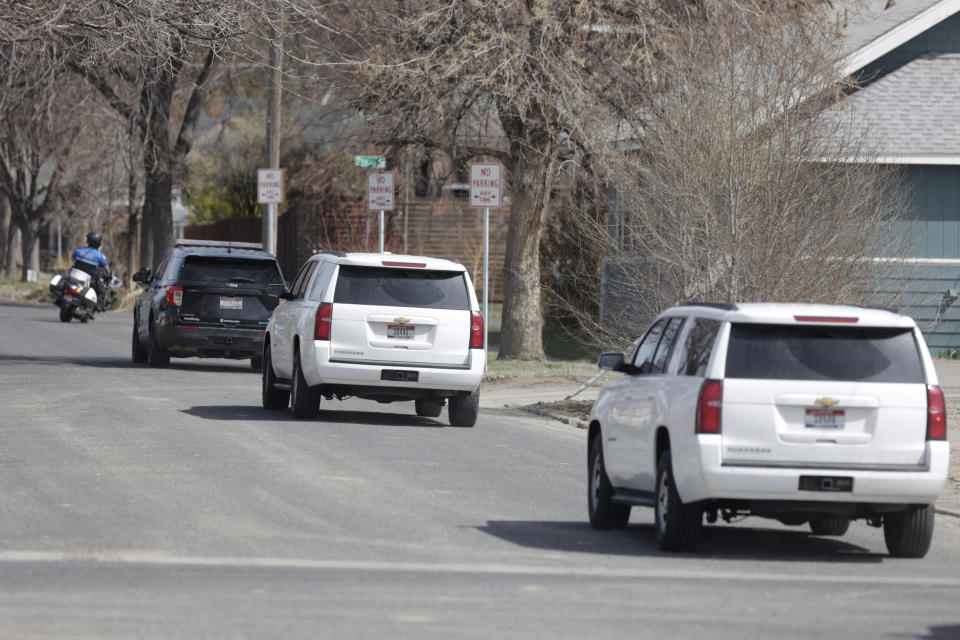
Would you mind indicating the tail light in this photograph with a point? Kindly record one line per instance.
(708, 407)
(936, 414)
(175, 296)
(476, 331)
(321, 328)
(74, 288)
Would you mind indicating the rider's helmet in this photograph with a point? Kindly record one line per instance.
(94, 239)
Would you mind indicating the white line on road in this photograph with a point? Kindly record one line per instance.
(134, 558)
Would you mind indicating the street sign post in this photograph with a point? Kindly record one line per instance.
(370, 162)
(485, 191)
(270, 193)
(380, 197)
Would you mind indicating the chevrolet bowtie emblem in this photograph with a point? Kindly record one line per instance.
(827, 402)
(401, 320)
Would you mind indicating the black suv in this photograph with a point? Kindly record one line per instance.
(207, 299)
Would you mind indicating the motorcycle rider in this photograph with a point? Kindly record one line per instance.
(92, 261)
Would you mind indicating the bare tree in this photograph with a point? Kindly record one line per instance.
(730, 184)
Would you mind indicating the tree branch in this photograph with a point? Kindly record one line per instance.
(192, 112)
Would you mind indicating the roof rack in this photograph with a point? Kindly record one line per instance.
(331, 252)
(724, 306)
(453, 260)
(219, 244)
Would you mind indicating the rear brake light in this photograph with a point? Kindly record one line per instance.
(708, 407)
(936, 414)
(74, 289)
(846, 319)
(418, 265)
(476, 331)
(175, 296)
(321, 328)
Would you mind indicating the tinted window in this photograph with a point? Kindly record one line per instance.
(648, 347)
(324, 273)
(401, 288)
(788, 352)
(666, 345)
(300, 286)
(698, 346)
(239, 270)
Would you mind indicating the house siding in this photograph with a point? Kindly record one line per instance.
(942, 38)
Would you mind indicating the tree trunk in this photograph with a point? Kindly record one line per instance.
(157, 221)
(531, 171)
(6, 220)
(30, 243)
(12, 268)
(132, 226)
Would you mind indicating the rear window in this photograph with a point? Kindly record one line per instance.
(208, 269)
(401, 288)
(790, 352)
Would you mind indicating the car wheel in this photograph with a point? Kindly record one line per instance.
(830, 526)
(157, 356)
(462, 410)
(137, 352)
(908, 533)
(66, 314)
(604, 513)
(256, 363)
(304, 401)
(272, 397)
(677, 525)
(429, 407)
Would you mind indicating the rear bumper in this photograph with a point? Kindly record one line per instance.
(319, 370)
(211, 342)
(714, 481)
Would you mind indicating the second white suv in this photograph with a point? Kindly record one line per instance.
(377, 326)
(813, 414)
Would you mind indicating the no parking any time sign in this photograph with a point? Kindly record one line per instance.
(380, 191)
(485, 187)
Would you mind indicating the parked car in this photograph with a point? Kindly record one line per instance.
(377, 326)
(808, 414)
(207, 299)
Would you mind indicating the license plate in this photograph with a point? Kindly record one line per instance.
(401, 331)
(231, 303)
(825, 418)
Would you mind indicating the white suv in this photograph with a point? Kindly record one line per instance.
(803, 413)
(377, 326)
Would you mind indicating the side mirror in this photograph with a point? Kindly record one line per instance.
(611, 361)
(142, 276)
(279, 291)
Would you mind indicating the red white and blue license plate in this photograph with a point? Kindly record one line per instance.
(825, 418)
(401, 331)
(231, 303)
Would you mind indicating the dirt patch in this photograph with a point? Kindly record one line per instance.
(574, 412)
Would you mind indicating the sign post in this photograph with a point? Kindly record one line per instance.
(485, 191)
(270, 193)
(380, 197)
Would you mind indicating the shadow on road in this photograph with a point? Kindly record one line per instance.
(942, 632)
(108, 363)
(256, 413)
(718, 543)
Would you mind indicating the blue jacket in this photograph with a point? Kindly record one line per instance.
(90, 256)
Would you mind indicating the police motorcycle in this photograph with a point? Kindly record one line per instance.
(77, 297)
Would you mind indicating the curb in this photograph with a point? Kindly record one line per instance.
(947, 512)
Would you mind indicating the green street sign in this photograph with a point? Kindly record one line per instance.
(370, 162)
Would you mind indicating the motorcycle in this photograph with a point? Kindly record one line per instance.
(77, 297)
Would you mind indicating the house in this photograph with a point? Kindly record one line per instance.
(905, 55)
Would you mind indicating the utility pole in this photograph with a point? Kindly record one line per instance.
(268, 232)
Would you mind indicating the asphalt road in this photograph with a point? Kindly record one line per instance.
(140, 503)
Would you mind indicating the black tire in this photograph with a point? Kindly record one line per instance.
(676, 525)
(429, 407)
(157, 356)
(604, 513)
(304, 401)
(138, 352)
(908, 533)
(462, 411)
(66, 314)
(830, 526)
(256, 363)
(273, 398)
